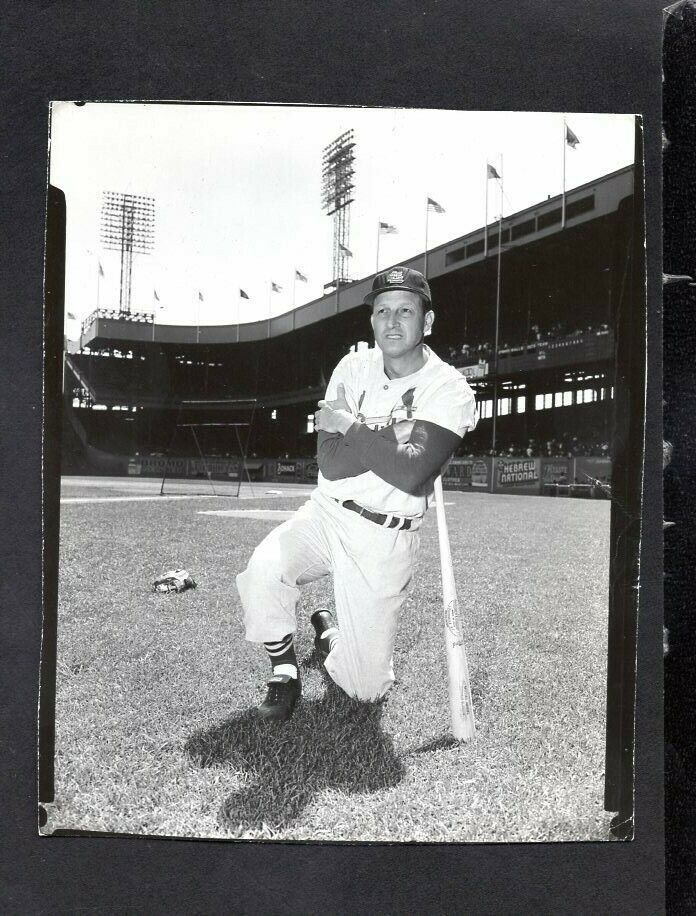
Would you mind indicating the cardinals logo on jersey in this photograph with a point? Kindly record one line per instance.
(400, 411)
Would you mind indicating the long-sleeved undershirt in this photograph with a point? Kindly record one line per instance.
(336, 459)
(406, 466)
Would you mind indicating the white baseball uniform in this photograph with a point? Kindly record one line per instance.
(372, 563)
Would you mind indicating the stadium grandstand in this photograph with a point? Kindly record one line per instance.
(130, 383)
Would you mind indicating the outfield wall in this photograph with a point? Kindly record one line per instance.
(545, 476)
(531, 476)
(276, 470)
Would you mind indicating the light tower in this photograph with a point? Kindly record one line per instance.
(336, 187)
(128, 225)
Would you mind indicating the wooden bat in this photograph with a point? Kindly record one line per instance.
(461, 706)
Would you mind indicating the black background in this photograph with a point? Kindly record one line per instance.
(512, 54)
(679, 340)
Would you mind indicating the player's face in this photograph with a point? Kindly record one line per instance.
(399, 322)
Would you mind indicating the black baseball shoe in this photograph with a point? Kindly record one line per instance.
(322, 621)
(283, 693)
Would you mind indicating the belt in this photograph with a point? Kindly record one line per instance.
(395, 521)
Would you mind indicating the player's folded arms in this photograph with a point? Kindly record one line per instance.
(406, 465)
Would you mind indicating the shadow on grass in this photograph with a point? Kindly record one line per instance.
(331, 743)
(436, 744)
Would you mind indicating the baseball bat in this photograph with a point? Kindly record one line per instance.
(461, 706)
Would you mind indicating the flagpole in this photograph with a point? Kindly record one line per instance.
(198, 319)
(98, 281)
(239, 312)
(563, 198)
(497, 310)
(270, 293)
(294, 281)
(377, 262)
(485, 231)
(425, 261)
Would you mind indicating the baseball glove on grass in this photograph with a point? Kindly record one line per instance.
(175, 580)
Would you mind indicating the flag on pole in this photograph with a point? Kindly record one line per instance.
(276, 288)
(101, 269)
(200, 297)
(387, 228)
(154, 291)
(571, 139)
(242, 294)
(434, 205)
(346, 251)
(300, 276)
(71, 316)
(492, 172)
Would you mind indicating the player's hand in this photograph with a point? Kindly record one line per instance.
(341, 402)
(331, 419)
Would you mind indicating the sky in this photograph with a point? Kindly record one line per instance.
(237, 193)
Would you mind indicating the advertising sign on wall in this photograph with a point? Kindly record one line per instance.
(555, 470)
(155, 465)
(310, 469)
(481, 473)
(597, 468)
(467, 473)
(517, 475)
(215, 467)
(457, 474)
(480, 370)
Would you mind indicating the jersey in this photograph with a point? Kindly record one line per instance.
(436, 393)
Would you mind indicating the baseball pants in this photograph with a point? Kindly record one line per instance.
(372, 567)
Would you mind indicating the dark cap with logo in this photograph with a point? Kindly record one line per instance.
(399, 278)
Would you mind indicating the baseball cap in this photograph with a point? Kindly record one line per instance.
(399, 278)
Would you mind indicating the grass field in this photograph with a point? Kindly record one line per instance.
(155, 730)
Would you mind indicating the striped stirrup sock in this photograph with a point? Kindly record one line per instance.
(282, 656)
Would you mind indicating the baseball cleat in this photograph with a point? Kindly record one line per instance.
(283, 693)
(322, 621)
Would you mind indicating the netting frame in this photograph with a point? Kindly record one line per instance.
(196, 425)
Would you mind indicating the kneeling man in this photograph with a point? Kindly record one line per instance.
(392, 418)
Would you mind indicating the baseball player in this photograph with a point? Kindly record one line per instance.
(390, 421)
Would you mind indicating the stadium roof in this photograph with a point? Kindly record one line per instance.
(588, 202)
